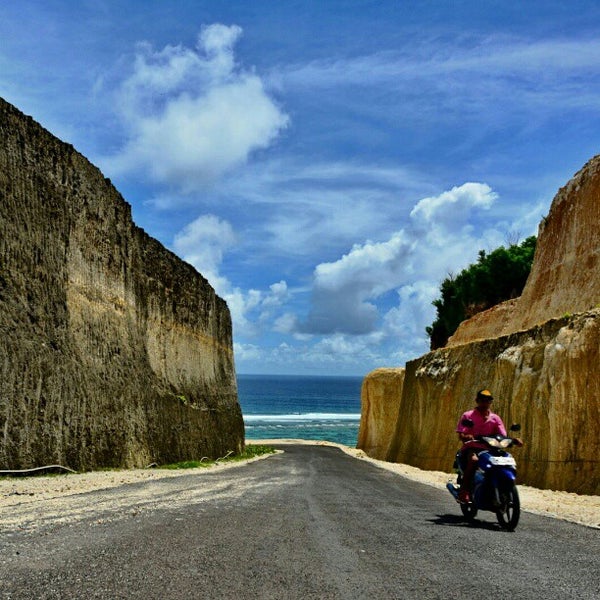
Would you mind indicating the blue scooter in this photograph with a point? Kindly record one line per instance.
(494, 486)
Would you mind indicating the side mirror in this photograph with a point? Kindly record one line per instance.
(515, 427)
(467, 422)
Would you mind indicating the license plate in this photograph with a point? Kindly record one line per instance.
(503, 461)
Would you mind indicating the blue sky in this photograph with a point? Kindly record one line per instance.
(325, 164)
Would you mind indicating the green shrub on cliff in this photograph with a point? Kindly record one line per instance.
(494, 278)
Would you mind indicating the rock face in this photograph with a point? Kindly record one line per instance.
(113, 351)
(543, 378)
(565, 274)
(539, 354)
(380, 406)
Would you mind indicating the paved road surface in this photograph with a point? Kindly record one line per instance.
(309, 523)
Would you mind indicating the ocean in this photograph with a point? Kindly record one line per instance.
(301, 407)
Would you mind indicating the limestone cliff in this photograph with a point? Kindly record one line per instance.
(380, 406)
(113, 351)
(565, 274)
(538, 353)
(543, 378)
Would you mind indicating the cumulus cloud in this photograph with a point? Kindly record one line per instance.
(342, 289)
(203, 243)
(452, 208)
(247, 352)
(193, 114)
(411, 262)
(253, 311)
(337, 353)
(279, 293)
(407, 320)
(286, 323)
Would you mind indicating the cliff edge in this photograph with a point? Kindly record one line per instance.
(565, 274)
(113, 351)
(538, 353)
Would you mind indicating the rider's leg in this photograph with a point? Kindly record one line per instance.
(470, 462)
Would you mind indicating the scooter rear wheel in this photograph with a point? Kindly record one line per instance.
(510, 511)
(469, 511)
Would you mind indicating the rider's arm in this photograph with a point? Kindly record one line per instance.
(464, 436)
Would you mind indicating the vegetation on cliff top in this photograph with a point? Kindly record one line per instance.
(494, 278)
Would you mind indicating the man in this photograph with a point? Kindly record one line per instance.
(478, 421)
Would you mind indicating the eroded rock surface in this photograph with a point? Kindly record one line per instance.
(381, 395)
(113, 351)
(565, 274)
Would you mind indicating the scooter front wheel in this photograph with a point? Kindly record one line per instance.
(510, 510)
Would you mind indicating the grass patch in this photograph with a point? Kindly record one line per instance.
(250, 451)
(253, 450)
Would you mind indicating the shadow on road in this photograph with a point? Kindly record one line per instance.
(459, 521)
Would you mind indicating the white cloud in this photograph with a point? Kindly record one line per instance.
(242, 304)
(498, 57)
(202, 243)
(336, 353)
(453, 206)
(218, 41)
(279, 293)
(323, 219)
(286, 323)
(487, 82)
(366, 265)
(192, 115)
(247, 352)
(342, 289)
(406, 322)
(412, 261)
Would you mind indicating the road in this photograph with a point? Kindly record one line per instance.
(311, 522)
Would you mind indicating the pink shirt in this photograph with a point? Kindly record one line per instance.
(486, 424)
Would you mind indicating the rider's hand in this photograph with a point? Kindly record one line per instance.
(517, 442)
(466, 437)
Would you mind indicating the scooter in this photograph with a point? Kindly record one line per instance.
(494, 487)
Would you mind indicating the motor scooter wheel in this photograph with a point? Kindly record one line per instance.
(510, 510)
(469, 511)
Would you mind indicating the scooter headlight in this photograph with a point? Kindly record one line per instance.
(498, 442)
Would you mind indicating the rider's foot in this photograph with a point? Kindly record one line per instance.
(464, 496)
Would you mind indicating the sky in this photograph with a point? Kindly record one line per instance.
(325, 164)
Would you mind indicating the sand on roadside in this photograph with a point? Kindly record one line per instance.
(21, 495)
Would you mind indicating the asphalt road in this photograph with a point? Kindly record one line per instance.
(312, 522)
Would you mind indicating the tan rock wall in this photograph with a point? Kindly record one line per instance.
(485, 325)
(113, 351)
(544, 378)
(381, 395)
(565, 274)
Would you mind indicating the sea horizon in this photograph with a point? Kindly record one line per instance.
(309, 407)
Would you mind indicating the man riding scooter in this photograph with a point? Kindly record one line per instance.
(478, 421)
